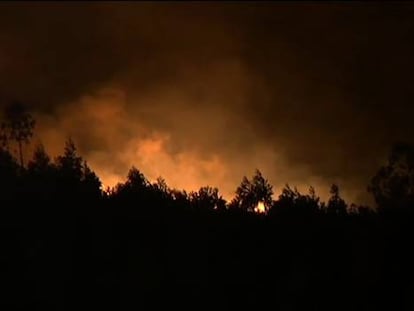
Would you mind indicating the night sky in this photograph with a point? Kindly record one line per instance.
(204, 93)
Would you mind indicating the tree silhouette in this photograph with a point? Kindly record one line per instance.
(91, 184)
(161, 185)
(42, 174)
(70, 164)
(336, 205)
(208, 198)
(136, 180)
(136, 188)
(75, 174)
(250, 192)
(7, 163)
(18, 125)
(180, 197)
(40, 161)
(8, 173)
(393, 184)
(293, 202)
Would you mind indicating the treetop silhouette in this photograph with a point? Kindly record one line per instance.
(250, 192)
(393, 184)
(17, 125)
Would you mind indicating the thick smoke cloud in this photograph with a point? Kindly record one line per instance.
(205, 93)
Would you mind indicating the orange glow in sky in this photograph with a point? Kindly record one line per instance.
(113, 138)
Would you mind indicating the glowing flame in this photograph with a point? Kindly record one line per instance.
(260, 208)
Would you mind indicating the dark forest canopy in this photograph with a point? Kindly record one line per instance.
(70, 174)
(67, 242)
(392, 186)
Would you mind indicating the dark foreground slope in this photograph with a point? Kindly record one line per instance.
(66, 245)
(113, 255)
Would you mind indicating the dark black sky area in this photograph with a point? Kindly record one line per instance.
(310, 93)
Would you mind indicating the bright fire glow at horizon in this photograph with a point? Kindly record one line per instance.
(175, 153)
(260, 208)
